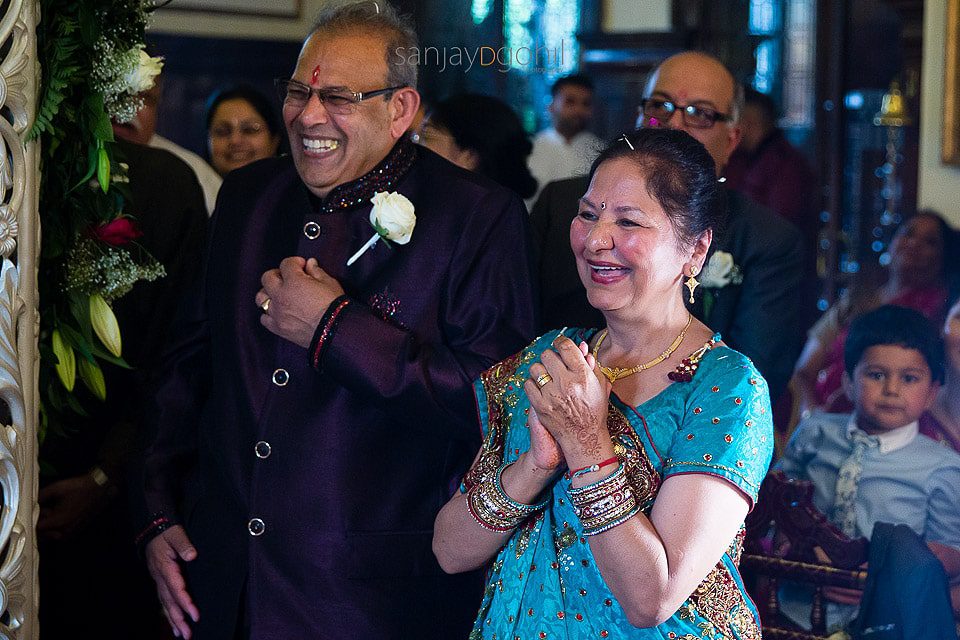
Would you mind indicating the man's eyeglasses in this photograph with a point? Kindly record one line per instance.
(659, 111)
(336, 101)
(245, 129)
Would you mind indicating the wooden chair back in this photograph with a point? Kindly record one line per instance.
(783, 533)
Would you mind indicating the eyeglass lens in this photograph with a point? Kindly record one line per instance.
(660, 111)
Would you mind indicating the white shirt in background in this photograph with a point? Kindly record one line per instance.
(553, 158)
(208, 178)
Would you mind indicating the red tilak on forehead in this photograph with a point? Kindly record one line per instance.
(316, 74)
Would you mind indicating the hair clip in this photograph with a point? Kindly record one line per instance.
(377, 7)
(627, 140)
(721, 179)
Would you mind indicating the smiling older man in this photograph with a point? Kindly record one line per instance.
(310, 430)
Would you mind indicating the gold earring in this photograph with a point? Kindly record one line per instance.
(692, 282)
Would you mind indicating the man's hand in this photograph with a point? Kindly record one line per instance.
(299, 293)
(66, 505)
(163, 555)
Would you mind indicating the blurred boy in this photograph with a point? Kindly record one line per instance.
(871, 466)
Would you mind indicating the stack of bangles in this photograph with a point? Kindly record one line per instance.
(493, 509)
(603, 505)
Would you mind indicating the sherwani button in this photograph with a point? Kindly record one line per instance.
(256, 527)
(281, 377)
(312, 230)
(262, 449)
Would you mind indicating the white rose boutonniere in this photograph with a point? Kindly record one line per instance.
(721, 271)
(393, 219)
(141, 77)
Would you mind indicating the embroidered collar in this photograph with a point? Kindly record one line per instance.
(383, 177)
(890, 441)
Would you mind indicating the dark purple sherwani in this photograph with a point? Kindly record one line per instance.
(345, 466)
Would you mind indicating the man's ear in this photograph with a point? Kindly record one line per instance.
(734, 136)
(403, 109)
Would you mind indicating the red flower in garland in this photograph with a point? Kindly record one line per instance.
(117, 232)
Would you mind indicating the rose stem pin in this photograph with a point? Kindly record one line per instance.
(372, 241)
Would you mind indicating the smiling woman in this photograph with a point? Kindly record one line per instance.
(584, 466)
(241, 127)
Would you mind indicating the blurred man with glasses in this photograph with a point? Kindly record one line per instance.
(314, 415)
(757, 308)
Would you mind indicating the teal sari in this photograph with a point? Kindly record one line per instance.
(544, 583)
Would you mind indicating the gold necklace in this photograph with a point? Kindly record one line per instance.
(617, 373)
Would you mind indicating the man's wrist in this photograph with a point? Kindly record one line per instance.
(324, 330)
(159, 522)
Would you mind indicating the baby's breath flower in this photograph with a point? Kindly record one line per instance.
(93, 267)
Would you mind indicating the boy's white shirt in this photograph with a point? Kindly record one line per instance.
(890, 441)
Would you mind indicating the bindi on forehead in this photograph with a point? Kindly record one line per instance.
(315, 76)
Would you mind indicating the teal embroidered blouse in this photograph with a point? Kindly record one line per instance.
(544, 582)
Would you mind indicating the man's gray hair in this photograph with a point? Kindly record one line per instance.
(377, 17)
(739, 99)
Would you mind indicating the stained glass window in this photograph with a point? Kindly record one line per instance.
(541, 45)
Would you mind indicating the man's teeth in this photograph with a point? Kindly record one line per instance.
(320, 145)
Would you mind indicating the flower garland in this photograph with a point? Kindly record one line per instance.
(94, 68)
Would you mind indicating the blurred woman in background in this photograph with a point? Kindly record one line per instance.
(483, 134)
(919, 277)
(241, 128)
(942, 421)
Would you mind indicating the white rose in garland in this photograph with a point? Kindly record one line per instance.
(392, 217)
(141, 77)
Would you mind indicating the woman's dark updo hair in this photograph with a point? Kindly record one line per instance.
(494, 132)
(680, 175)
(260, 103)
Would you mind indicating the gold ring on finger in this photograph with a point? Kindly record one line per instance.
(543, 379)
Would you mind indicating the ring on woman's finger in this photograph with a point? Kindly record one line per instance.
(543, 379)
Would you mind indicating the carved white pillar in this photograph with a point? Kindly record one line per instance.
(19, 319)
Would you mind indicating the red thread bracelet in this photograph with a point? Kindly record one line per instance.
(590, 469)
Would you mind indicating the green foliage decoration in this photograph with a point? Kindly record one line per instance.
(93, 70)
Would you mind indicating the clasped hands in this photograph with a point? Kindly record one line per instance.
(568, 409)
(299, 293)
